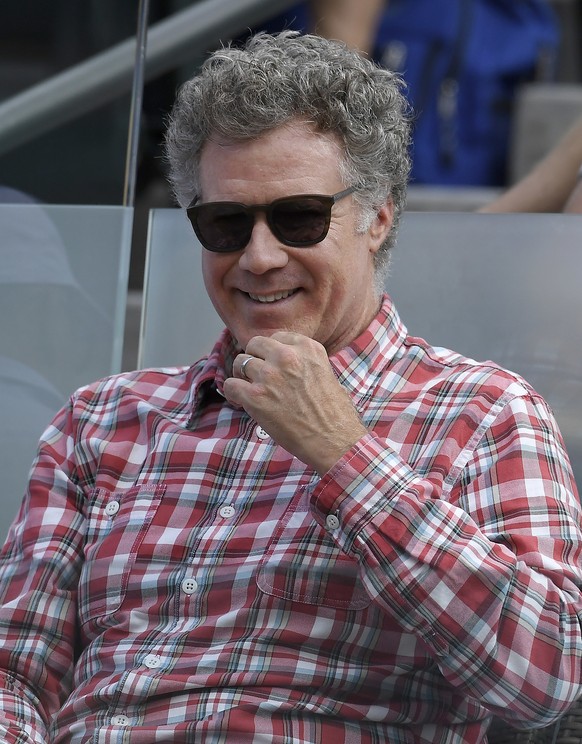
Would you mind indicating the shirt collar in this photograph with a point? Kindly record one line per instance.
(359, 364)
(356, 365)
(216, 367)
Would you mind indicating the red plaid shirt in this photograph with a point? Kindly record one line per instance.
(175, 576)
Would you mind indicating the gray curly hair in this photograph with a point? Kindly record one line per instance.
(242, 93)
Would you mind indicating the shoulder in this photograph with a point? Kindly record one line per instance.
(439, 366)
(163, 389)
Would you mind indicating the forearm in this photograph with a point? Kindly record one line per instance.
(574, 203)
(495, 621)
(352, 22)
(20, 722)
(547, 187)
(21, 718)
(39, 573)
(36, 663)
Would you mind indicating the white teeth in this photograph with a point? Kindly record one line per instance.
(272, 297)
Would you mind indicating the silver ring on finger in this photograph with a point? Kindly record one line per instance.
(243, 371)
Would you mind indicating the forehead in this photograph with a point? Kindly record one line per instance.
(293, 153)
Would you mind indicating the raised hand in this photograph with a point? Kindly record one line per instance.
(287, 384)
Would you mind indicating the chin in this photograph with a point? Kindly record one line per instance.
(243, 336)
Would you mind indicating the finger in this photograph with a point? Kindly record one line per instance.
(264, 347)
(241, 366)
(289, 337)
(259, 346)
(308, 345)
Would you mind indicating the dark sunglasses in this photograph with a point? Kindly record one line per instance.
(296, 221)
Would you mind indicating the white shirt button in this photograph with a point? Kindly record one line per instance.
(226, 512)
(152, 661)
(332, 522)
(120, 720)
(261, 433)
(189, 586)
(112, 508)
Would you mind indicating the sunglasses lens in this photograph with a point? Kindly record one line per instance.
(222, 227)
(300, 220)
(225, 227)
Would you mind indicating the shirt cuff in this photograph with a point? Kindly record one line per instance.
(371, 474)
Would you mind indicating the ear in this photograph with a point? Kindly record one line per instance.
(381, 226)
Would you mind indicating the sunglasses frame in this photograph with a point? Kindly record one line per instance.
(252, 209)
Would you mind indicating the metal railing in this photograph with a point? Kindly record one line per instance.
(105, 76)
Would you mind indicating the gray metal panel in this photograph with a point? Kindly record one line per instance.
(63, 286)
(504, 287)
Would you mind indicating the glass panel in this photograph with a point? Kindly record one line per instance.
(179, 323)
(491, 286)
(63, 288)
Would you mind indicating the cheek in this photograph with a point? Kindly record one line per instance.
(214, 269)
(207, 274)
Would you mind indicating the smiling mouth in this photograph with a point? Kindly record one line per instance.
(275, 297)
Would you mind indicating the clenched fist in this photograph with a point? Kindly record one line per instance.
(288, 386)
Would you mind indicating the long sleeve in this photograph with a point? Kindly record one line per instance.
(482, 562)
(39, 572)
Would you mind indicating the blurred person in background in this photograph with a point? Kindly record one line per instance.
(463, 62)
(554, 184)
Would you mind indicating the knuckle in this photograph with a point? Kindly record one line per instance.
(288, 356)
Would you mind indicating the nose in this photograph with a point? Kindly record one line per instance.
(263, 252)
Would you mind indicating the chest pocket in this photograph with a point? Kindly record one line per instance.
(303, 564)
(117, 524)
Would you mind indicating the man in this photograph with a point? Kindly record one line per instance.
(326, 531)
